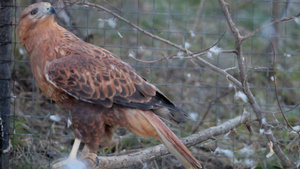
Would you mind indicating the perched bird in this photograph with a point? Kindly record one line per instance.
(99, 89)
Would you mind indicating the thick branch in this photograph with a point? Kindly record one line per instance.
(159, 150)
(238, 42)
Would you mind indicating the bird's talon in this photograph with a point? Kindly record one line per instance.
(91, 159)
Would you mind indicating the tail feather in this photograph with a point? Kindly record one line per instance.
(171, 141)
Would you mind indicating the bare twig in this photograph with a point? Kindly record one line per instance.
(277, 97)
(187, 56)
(281, 111)
(196, 20)
(133, 25)
(285, 19)
(246, 89)
(207, 110)
(151, 153)
(150, 61)
(297, 105)
(113, 6)
(230, 68)
(66, 6)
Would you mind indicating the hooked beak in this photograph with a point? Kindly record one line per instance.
(52, 10)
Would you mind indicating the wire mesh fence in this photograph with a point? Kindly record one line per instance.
(39, 130)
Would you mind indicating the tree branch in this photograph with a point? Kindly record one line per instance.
(285, 19)
(243, 74)
(133, 25)
(277, 97)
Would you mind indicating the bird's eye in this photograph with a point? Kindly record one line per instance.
(34, 11)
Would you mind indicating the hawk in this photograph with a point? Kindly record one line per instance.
(99, 89)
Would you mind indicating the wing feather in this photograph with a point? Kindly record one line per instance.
(104, 79)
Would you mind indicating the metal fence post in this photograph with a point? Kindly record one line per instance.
(5, 57)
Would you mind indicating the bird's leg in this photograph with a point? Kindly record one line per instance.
(75, 148)
(65, 163)
(85, 151)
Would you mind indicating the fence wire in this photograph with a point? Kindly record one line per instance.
(39, 131)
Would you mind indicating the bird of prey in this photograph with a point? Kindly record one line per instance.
(99, 89)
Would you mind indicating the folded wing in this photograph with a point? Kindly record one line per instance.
(101, 78)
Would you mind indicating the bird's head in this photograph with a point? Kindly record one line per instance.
(36, 13)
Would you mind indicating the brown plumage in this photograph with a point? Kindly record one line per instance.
(99, 89)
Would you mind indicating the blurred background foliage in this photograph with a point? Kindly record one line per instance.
(39, 127)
